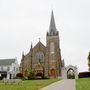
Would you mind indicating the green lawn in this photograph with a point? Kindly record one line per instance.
(83, 84)
(28, 85)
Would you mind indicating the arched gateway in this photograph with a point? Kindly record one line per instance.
(69, 72)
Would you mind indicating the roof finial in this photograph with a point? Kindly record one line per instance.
(39, 39)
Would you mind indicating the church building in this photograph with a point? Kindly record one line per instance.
(44, 60)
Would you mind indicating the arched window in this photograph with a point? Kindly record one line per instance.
(39, 57)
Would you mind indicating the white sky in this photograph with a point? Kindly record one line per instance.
(23, 21)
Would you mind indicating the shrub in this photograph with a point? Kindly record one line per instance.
(19, 75)
(31, 74)
(84, 74)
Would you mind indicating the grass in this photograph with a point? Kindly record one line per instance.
(27, 85)
(83, 84)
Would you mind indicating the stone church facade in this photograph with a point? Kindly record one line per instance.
(44, 60)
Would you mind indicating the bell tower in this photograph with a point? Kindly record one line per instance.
(53, 59)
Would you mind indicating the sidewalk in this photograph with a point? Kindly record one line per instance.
(67, 84)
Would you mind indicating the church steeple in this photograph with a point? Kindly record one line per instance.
(52, 27)
(52, 23)
(53, 49)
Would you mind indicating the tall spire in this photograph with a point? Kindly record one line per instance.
(52, 28)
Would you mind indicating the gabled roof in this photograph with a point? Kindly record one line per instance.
(5, 62)
(39, 44)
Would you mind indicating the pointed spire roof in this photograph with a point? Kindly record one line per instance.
(52, 27)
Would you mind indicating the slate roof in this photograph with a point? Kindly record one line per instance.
(4, 62)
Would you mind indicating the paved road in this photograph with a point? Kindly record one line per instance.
(67, 84)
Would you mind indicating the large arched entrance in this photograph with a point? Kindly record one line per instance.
(69, 72)
(53, 73)
(39, 71)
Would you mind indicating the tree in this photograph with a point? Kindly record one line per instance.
(31, 74)
(89, 61)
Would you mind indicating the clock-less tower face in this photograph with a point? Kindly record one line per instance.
(52, 48)
(54, 56)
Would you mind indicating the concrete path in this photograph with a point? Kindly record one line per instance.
(67, 84)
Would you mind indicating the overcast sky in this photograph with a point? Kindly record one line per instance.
(24, 21)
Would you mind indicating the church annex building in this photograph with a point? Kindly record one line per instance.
(45, 60)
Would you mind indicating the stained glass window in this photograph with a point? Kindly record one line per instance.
(39, 57)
